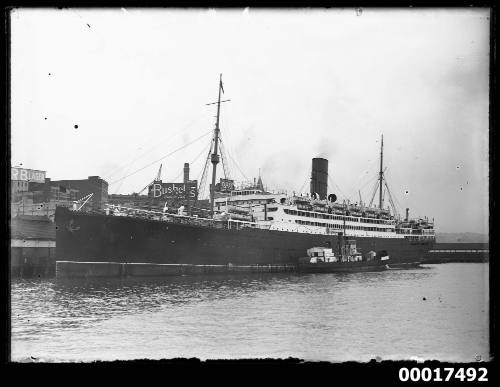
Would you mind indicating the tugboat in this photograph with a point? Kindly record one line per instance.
(350, 260)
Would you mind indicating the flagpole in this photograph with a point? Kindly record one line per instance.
(215, 157)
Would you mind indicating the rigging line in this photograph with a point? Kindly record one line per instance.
(394, 209)
(230, 151)
(238, 167)
(228, 136)
(207, 159)
(374, 191)
(302, 187)
(178, 176)
(156, 145)
(377, 186)
(364, 174)
(121, 183)
(227, 152)
(225, 161)
(372, 180)
(335, 184)
(360, 177)
(204, 149)
(364, 185)
(164, 157)
(222, 156)
(224, 166)
(398, 204)
(203, 180)
(190, 163)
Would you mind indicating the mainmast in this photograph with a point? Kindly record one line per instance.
(215, 156)
(381, 174)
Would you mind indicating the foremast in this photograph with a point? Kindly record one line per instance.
(215, 156)
(381, 174)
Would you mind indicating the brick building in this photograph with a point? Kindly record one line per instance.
(71, 190)
(94, 184)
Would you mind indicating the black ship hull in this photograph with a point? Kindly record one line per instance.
(89, 237)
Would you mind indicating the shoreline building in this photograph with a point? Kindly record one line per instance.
(33, 193)
(72, 190)
(34, 198)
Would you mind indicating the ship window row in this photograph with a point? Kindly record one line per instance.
(419, 237)
(340, 227)
(333, 217)
(415, 231)
(239, 193)
(244, 202)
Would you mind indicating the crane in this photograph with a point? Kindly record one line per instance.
(158, 178)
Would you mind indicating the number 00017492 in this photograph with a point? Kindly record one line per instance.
(416, 374)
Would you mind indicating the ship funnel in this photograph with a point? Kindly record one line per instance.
(319, 177)
(186, 173)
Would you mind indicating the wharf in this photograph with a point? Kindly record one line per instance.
(458, 252)
(32, 246)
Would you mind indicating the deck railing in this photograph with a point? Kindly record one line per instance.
(118, 210)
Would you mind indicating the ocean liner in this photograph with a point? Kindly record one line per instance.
(247, 225)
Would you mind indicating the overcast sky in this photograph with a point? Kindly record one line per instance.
(302, 84)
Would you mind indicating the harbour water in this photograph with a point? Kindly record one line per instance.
(437, 312)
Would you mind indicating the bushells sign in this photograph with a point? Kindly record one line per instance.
(173, 191)
(27, 175)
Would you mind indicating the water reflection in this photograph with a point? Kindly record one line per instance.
(74, 302)
(70, 303)
(314, 316)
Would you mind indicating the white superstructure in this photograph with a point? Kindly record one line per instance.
(307, 215)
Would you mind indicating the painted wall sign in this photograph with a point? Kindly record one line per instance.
(173, 190)
(27, 175)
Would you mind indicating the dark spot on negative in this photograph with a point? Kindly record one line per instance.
(45, 117)
(76, 126)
